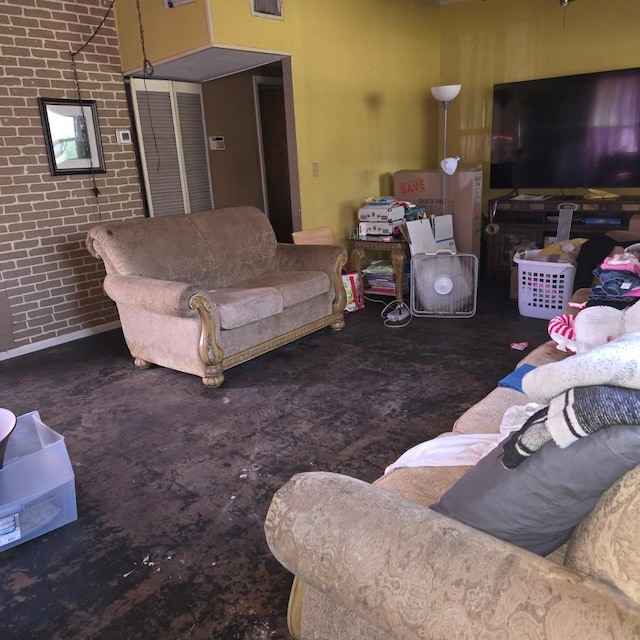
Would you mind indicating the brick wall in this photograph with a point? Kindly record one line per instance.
(52, 284)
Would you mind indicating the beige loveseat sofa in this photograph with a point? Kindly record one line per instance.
(203, 292)
(373, 562)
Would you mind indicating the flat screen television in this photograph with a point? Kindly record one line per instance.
(567, 132)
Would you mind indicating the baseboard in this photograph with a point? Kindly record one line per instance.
(52, 342)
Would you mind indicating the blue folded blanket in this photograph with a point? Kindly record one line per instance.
(514, 379)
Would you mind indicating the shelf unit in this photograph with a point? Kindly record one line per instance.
(521, 222)
(397, 247)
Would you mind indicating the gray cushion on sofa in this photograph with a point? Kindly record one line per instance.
(294, 286)
(537, 505)
(239, 306)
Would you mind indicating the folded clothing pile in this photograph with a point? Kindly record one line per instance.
(592, 399)
(619, 277)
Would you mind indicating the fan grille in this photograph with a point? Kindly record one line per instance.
(444, 285)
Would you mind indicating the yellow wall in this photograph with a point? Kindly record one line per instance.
(234, 25)
(167, 33)
(361, 78)
(362, 72)
(505, 40)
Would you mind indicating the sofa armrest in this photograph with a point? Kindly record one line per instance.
(168, 298)
(158, 296)
(316, 257)
(415, 573)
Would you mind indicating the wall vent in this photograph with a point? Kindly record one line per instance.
(267, 8)
(170, 4)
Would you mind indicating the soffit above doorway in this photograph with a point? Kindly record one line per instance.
(209, 64)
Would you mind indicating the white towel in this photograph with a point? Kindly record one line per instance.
(463, 449)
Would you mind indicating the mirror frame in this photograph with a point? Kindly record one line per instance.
(74, 108)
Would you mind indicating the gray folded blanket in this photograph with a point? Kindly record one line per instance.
(572, 415)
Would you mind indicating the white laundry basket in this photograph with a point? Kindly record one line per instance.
(544, 288)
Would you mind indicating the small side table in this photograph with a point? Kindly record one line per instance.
(398, 248)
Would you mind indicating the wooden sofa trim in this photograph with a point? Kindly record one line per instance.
(212, 355)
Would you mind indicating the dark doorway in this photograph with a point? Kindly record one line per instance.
(273, 131)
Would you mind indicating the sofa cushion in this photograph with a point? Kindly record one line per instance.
(209, 248)
(538, 504)
(544, 354)
(238, 306)
(606, 543)
(241, 241)
(154, 248)
(420, 484)
(486, 415)
(294, 286)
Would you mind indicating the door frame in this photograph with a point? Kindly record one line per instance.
(257, 82)
(286, 82)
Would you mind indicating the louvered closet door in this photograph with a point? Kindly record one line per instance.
(194, 150)
(172, 143)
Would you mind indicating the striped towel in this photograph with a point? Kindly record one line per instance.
(574, 414)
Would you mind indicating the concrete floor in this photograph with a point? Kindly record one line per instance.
(173, 480)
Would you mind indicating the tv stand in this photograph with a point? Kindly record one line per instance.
(521, 222)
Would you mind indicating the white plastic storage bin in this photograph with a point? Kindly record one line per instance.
(544, 288)
(37, 483)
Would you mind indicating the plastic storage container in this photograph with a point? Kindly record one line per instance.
(37, 483)
(544, 288)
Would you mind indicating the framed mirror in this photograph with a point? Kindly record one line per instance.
(72, 136)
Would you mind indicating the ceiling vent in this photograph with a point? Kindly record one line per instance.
(267, 8)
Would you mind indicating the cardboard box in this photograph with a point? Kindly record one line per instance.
(37, 483)
(624, 236)
(464, 200)
(634, 224)
(430, 235)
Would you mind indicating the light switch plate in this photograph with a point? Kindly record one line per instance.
(123, 136)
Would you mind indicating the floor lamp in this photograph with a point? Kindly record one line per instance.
(445, 94)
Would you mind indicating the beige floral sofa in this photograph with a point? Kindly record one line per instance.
(373, 562)
(204, 292)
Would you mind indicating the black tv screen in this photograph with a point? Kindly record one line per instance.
(567, 132)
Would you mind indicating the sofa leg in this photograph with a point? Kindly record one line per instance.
(213, 375)
(213, 381)
(141, 364)
(338, 322)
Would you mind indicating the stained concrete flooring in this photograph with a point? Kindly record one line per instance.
(173, 480)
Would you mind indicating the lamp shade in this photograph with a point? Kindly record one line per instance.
(449, 165)
(446, 92)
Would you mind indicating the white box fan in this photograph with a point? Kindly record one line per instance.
(444, 285)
